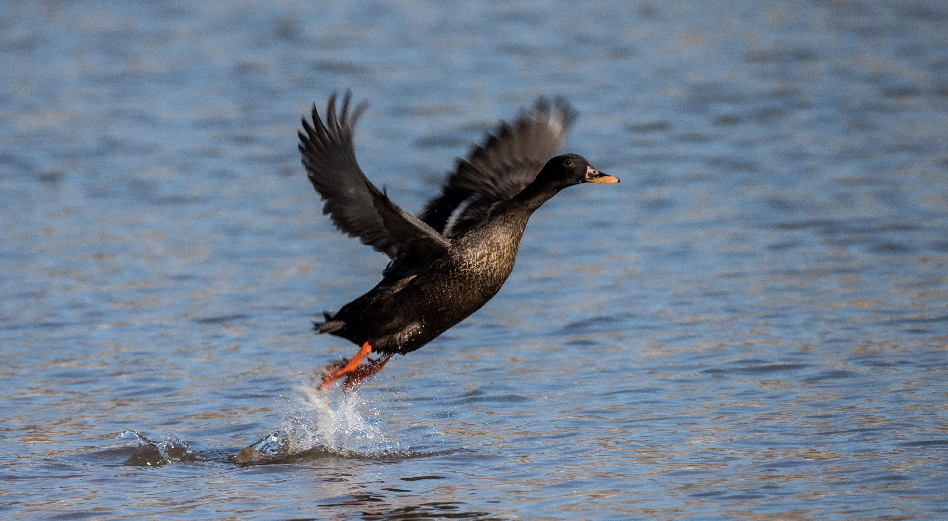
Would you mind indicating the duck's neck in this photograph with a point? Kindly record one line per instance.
(514, 213)
(533, 196)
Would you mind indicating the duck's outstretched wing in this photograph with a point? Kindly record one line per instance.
(355, 205)
(499, 169)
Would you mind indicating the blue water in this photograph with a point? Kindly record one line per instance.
(753, 324)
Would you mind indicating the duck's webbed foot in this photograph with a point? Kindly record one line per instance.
(365, 371)
(352, 371)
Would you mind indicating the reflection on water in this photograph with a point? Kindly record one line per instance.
(752, 325)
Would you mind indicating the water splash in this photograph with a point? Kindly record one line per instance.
(325, 424)
(154, 453)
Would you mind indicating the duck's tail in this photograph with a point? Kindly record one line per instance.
(329, 326)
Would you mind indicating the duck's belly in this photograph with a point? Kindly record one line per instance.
(402, 319)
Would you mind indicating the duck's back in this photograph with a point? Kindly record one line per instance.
(497, 170)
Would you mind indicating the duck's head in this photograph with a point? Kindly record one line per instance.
(572, 169)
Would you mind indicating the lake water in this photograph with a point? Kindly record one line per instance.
(753, 324)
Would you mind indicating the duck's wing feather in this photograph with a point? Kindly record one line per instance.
(499, 169)
(354, 204)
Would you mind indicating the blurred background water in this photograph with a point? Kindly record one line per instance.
(754, 324)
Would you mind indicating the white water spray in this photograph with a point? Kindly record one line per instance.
(329, 422)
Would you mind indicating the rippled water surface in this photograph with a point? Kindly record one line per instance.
(753, 324)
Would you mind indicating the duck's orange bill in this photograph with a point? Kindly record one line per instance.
(594, 176)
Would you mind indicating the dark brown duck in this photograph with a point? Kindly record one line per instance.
(456, 254)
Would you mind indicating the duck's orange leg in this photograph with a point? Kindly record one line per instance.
(351, 370)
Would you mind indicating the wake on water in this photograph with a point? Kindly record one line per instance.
(324, 424)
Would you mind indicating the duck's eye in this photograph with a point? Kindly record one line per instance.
(568, 162)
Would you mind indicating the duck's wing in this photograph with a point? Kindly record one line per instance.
(499, 169)
(355, 205)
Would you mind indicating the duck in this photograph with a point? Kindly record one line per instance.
(447, 261)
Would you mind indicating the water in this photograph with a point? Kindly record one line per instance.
(754, 324)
